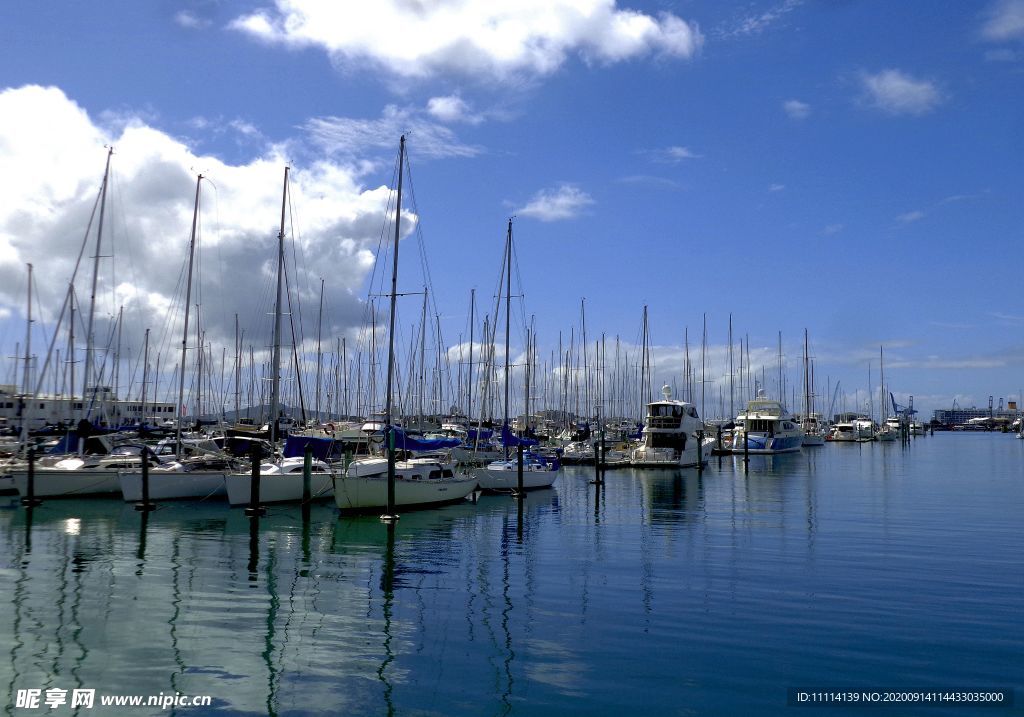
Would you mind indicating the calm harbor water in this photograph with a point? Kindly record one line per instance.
(870, 567)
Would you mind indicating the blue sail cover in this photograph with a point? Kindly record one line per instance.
(483, 434)
(511, 440)
(295, 446)
(409, 443)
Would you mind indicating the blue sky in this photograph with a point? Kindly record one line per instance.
(853, 168)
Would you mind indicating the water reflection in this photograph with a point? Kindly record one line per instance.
(672, 496)
(524, 608)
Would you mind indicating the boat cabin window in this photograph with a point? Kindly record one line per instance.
(676, 441)
(760, 425)
(434, 475)
(446, 473)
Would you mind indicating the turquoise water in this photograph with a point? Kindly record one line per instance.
(860, 566)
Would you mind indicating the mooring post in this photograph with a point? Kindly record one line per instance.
(307, 478)
(255, 510)
(520, 491)
(145, 505)
(30, 500)
(700, 450)
(746, 453)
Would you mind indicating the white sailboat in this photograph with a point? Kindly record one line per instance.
(366, 484)
(810, 422)
(503, 475)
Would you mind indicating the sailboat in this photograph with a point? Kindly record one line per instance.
(202, 473)
(376, 483)
(504, 474)
(810, 422)
(890, 427)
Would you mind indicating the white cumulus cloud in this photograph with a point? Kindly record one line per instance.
(796, 109)
(563, 202)
(897, 93)
(491, 38)
(451, 108)
(53, 155)
(1004, 21)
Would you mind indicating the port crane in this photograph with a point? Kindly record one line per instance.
(907, 412)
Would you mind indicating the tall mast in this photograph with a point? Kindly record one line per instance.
(732, 392)
(586, 350)
(782, 387)
(199, 367)
(145, 376)
(95, 276)
(319, 354)
(881, 387)
(188, 303)
(27, 399)
(423, 359)
(238, 366)
(472, 318)
(391, 336)
(71, 346)
(686, 364)
(117, 355)
(644, 368)
(344, 372)
(508, 315)
(275, 375)
(703, 354)
(807, 381)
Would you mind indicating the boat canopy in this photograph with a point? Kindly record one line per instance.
(483, 434)
(510, 440)
(406, 442)
(295, 446)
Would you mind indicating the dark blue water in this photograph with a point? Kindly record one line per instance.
(868, 567)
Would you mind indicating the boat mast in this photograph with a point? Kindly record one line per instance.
(26, 398)
(95, 276)
(319, 353)
(807, 382)
(732, 377)
(389, 435)
(71, 348)
(472, 307)
(184, 333)
(275, 375)
(703, 363)
(883, 408)
(423, 360)
(586, 350)
(145, 377)
(508, 317)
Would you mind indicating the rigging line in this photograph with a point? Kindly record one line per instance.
(221, 305)
(419, 235)
(295, 268)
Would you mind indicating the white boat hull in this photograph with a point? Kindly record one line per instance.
(56, 483)
(278, 488)
(645, 457)
(760, 444)
(502, 479)
(368, 493)
(813, 439)
(176, 485)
